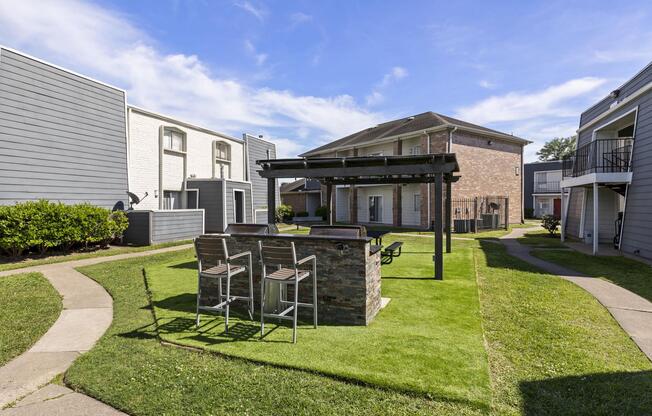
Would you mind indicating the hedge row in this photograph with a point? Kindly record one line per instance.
(44, 225)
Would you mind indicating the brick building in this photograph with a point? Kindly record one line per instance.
(491, 163)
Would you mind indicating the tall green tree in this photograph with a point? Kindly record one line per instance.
(557, 148)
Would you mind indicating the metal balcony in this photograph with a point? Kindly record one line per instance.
(599, 156)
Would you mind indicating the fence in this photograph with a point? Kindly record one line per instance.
(479, 213)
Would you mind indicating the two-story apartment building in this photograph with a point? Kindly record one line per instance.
(610, 174)
(66, 137)
(541, 188)
(490, 163)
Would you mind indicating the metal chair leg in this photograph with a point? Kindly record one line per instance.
(198, 298)
(314, 296)
(262, 305)
(296, 309)
(228, 301)
(219, 291)
(251, 292)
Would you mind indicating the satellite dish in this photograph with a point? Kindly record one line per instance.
(135, 199)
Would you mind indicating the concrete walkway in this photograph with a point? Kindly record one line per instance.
(87, 313)
(631, 311)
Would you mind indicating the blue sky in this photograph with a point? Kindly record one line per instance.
(306, 72)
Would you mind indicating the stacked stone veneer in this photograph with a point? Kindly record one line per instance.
(348, 277)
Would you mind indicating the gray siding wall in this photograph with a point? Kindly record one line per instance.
(176, 225)
(62, 136)
(528, 178)
(257, 149)
(640, 80)
(230, 215)
(574, 212)
(211, 200)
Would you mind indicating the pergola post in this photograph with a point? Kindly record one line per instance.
(329, 202)
(439, 255)
(449, 204)
(271, 201)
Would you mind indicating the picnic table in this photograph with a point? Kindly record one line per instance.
(377, 235)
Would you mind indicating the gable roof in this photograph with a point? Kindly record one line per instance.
(406, 126)
(301, 185)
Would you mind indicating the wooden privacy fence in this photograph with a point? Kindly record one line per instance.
(470, 215)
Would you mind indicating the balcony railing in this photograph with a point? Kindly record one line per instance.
(551, 187)
(599, 156)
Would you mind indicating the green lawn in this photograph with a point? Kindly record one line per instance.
(29, 305)
(410, 345)
(130, 370)
(7, 263)
(625, 272)
(553, 349)
(541, 239)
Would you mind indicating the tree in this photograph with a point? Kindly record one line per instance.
(557, 148)
(550, 223)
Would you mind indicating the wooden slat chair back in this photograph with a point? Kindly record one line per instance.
(211, 251)
(275, 255)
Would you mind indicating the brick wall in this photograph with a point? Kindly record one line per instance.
(348, 281)
(488, 169)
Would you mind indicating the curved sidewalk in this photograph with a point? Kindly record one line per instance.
(87, 313)
(632, 312)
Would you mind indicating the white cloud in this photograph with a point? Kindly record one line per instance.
(376, 96)
(260, 58)
(486, 84)
(103, 44)
(552, 101)
(299, 18)
(258, 12)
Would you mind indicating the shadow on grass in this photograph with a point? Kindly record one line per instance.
(192, 265)
(591, 394)
(498, 258)
(184, 302)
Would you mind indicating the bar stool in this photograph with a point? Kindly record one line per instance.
(214, 262)
(287, 273)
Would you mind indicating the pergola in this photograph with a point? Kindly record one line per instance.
(366, 170)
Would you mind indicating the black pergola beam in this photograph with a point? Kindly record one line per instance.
(430, 168)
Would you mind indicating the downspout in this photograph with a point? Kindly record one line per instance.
(449, 148)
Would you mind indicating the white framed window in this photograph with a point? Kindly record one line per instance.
(417, 202)
(174, 140)
(222, 159)
(415, 150)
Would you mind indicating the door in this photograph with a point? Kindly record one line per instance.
(557, 208)
(375, 208)
(238, 206)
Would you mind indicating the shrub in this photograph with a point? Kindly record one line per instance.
(284, 213)
(322, 212)
(529, 213)
(550, 223)
(302, 214)
(43, 225)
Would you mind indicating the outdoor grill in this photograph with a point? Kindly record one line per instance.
(251, 229)
(339, 230)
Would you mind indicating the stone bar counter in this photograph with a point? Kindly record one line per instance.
(348, 275)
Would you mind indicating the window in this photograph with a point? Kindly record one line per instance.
(375, 209)
(222, 156)
(415, 150)
(174, 140)
(238, 206)
(171, 200)
(417, 202)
